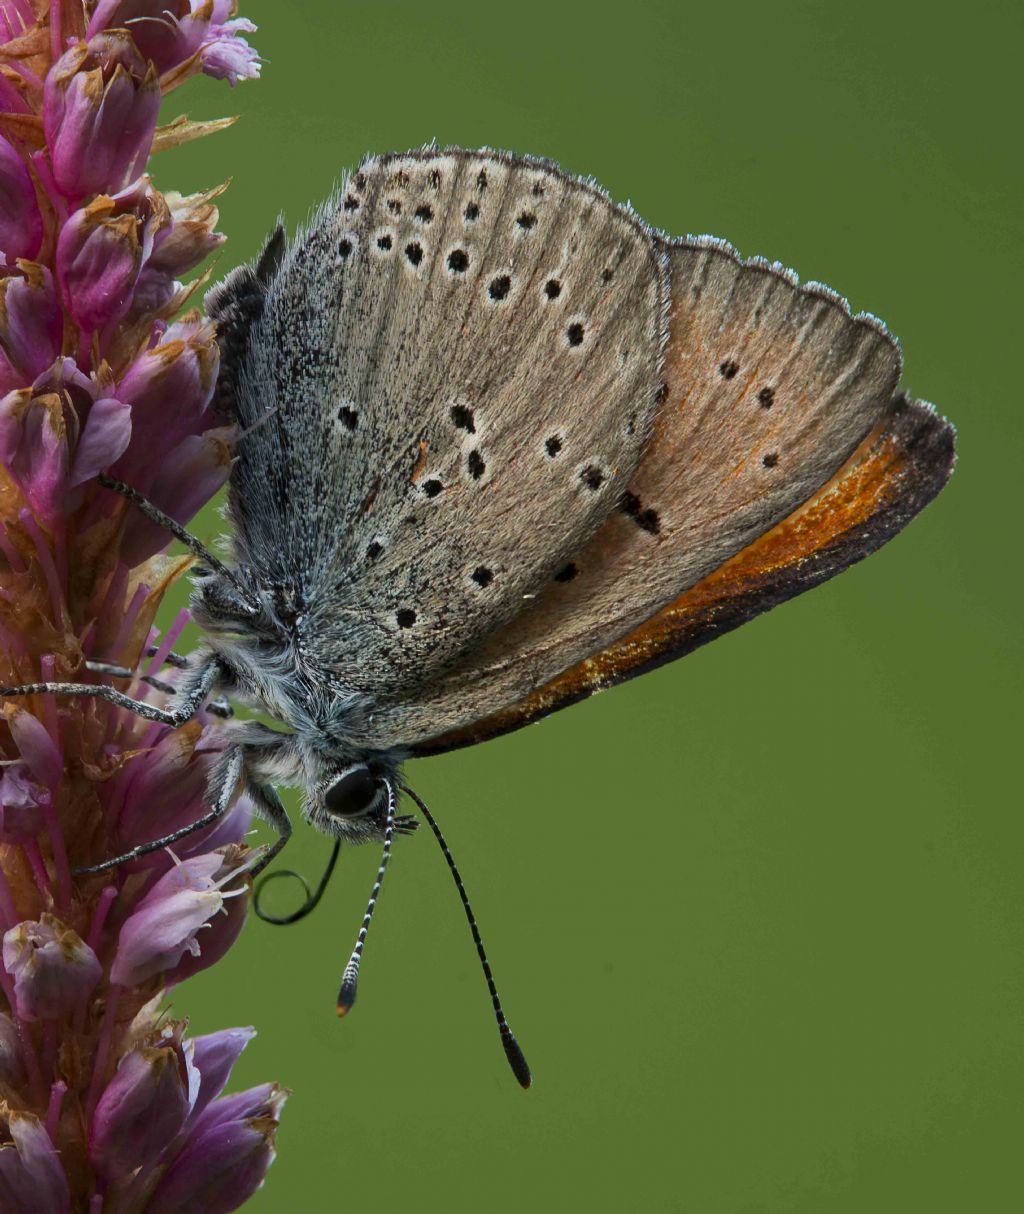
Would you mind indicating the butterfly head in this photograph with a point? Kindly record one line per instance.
(352, 801)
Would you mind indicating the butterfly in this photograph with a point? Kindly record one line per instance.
(504, 446)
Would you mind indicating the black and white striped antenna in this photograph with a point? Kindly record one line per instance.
(349, 979)
(347, 993)
(513, 1052)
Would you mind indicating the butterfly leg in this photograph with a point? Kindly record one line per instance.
(217, 707)
(271, 809)
(229, 770)
(189, 698)
(177, 660)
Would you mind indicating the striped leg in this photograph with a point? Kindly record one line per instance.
(270, 808)
(218, 707)
(189, 697)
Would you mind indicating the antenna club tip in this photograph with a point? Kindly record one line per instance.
(346, 998)
(517, 1060)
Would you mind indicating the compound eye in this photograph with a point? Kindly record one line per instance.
(352, 794)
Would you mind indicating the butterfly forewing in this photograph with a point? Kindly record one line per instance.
(460, 358)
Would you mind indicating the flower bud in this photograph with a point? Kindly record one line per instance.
(52, 967)
(35, 745)
(154, 291)
(30, 325)
(102, 249)
(178, 248)
(34, 448)
(95, 432)
(264, 1100)
(107, 432)
(186, 478)
(12, 1066)
(225, 56)
(26, 787)
(143, 1108)
(31, 1176)
(190, 237)
(234, 826)
(21, 226)
(166, 922)
(165, 789)
(223, 1161)
(99, 114)
(22, 800)
(198, 30)
(169, 388)
(215, 1055)
(165, 31)
(223, 929)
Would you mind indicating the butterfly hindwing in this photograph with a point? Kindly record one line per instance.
(896, 472)
(768, 388)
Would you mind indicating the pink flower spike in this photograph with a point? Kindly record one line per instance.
(143, 1108)
(104, 1102)
(21, 225)
(31, 1176)
(30, 325)
(100, 110)
(168, 919)
(52, 967)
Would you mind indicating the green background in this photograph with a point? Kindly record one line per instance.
(756, 916)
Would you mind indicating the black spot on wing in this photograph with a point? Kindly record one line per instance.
(647, 520)
(462, 417)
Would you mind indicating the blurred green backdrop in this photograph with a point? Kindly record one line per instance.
(756, 916)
